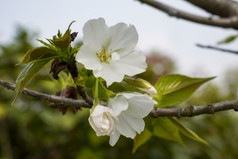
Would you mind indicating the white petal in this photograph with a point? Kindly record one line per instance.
(140, 105)
(114, 138)
(123, 37)
(102, 119)
(115, 56)
(109, 73)
(124, 127)
(137, 124)
(87, 56)
(93, 125)
(95, 32)
(131, 95)
(118, 104)
(132, 63)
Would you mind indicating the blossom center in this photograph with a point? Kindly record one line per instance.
(103, 56)
(106, 57)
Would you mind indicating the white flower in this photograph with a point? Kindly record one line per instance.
(130, 109)
(103, 120)
(108, 51)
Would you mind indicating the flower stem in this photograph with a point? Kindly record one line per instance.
(96, 98)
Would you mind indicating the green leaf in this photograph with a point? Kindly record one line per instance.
(82, 77)
(27, 74)
(165, 128)
(173, 89)
(187, 132)
(132, 85)
(75, 50)
(39, 53)
(46, 44)
(228, 39)
(63, 42)
(90, 82)
(140, 85)
(103, 92)
(124, 87)
(59, 34)
(141, 139)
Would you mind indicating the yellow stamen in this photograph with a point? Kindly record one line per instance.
(103, 56)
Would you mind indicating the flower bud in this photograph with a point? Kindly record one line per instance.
(142, 85)
(102, 119)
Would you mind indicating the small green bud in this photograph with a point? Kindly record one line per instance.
(142, 85)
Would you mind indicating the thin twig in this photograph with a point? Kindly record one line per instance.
(228, 22)
(216, 48)
(159, 112)
(195, 110)
(51, 98)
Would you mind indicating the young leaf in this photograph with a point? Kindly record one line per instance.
(27, 74)
(165, 128)
(63, 41)
(38, 53)
(59, 34)
(103, 93)
(132, 85)
(90, 82)
(75, 50)
(228, 39)
(82, 77)
(141, 139)
(173, 89)
(187, 132)
(46, 44)
(141, 85)
(123, 87)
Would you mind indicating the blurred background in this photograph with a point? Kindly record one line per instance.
(31, 129)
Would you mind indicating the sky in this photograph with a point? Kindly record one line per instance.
(157, 31)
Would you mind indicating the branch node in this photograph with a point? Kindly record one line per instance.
(153, 114)
(179, 112)
(190, 110)
(210, 109)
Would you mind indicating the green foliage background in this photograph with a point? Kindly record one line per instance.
(32, 129)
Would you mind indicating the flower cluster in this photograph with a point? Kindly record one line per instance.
(102, 77)
(109, 53)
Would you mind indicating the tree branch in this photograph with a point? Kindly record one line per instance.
(195, 110)
(159, 112)
(51, 98)
(228, 22)
(222, 8)
(216, 48)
